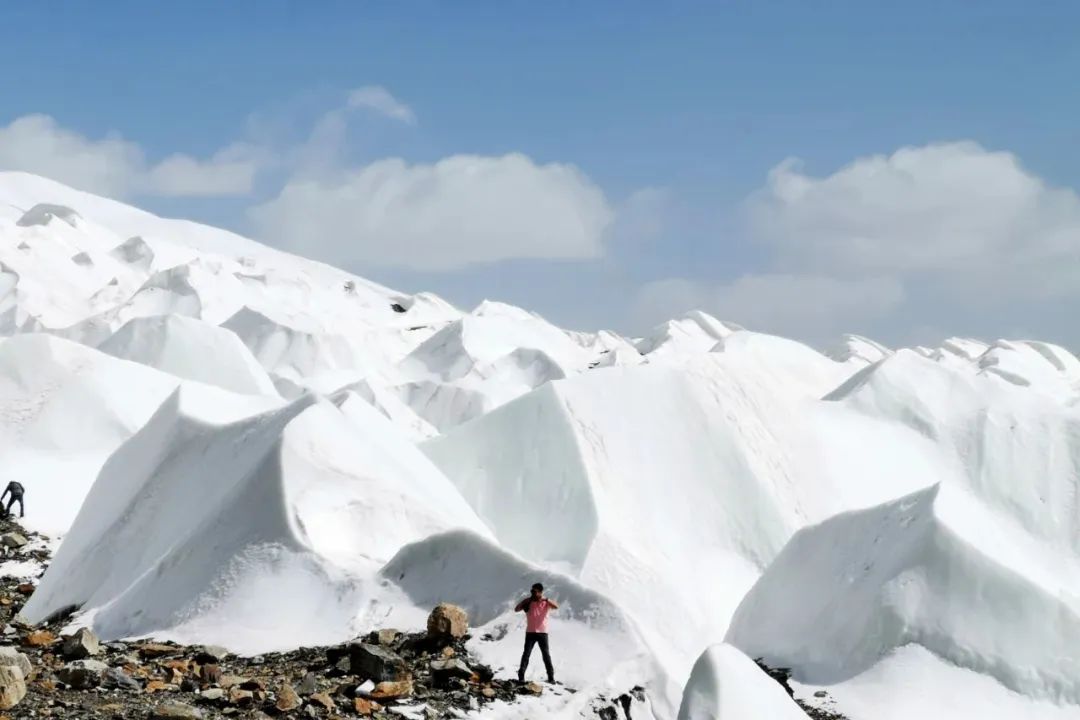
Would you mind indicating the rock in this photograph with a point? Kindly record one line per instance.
(39, 638)
(373, 662)
(534, 688)
(241, 698)
(287, 699)
(228, 681)
(188, 685)
(210, 674)
(176, 711)
(442, 671)
(180, 665)
(82, 674)
(11, 657)
(308, 686)
(253, 684)
(117, 678)
(365, 688)
(12, 686)
(212, 695)
(158, 686)
(13, 540)
(155, 650)
(821, 694)
(81, 645)
(364, 707)
(448, 652)
(391, 690)
(323, 700)
(26, 588)
(446, 622)
(488, 692)
(386, 637)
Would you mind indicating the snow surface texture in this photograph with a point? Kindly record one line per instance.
(246, 448)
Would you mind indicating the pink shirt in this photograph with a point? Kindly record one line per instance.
(536, 616)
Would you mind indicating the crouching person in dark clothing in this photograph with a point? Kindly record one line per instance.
(536, 608)
(16, 491)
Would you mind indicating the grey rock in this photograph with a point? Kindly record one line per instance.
(213, 694)
(11, 657)
(211, 654)
(81, 645)
(82, 674)
(117, 678)
(13, 540)
(447, 622)
(821, 694)
(176, 711)
(373, 662)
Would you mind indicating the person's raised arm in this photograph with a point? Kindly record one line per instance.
(554, 605)
(522, 605)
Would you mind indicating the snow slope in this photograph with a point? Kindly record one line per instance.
(243, 447)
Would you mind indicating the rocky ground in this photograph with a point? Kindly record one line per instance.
(387, 674)
(815, 709)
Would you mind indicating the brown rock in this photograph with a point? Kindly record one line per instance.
(181, 665)
(392, 690)
(155, 650)
(364, 707)
(26, 588)
(5, 601)
(176, 711)
(287, 699)
(534, 688)
(40, 638)
(157, 686)
(228, 681)
(323, 700)
(175, 677)
(253, 684)
(447, 621)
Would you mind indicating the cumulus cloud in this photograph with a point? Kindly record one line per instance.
(953, 212)
(460, 211)
(116, 167)
(379, 99)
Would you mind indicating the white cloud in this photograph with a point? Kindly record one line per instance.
(118, 168)
(810, 307)
(954, 213)
(379, 99)
(459, 211)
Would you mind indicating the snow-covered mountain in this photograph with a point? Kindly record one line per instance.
(246, 448)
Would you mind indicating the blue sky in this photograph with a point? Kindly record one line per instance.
(674, 113)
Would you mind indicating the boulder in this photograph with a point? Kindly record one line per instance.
(12, 686)
(211, 655)
(386, 636)
(373, 662)
(11, 657)
(324, 701)
(364, 707)
(447, 622)
(241, 698)
(13, 540)
(39, 638)
(210, 674)
(212, 695)
(82, 674)
(81, 645)
(176, 711)
(308, 685)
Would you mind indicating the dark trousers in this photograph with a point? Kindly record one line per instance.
(11, 502)
(540, 639)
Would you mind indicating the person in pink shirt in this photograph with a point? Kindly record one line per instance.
(536, 608)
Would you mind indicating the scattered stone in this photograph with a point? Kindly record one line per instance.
(11, 657)
(212, 695)
(82, 674)
(211, 655)
(323, 700)
(12, 686)
(386, 637)
(821, 694)
(287, 698)
(158, 686)
(447, 621)
(176, 711)
(308, 686)
(13, 540)
(253, 684)
(534, 688)
(488, 692)
(39, 638)
(391, 690)
(365, 688)
(376, 663)
(364, 707)
(81, 645)
(26, 588)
